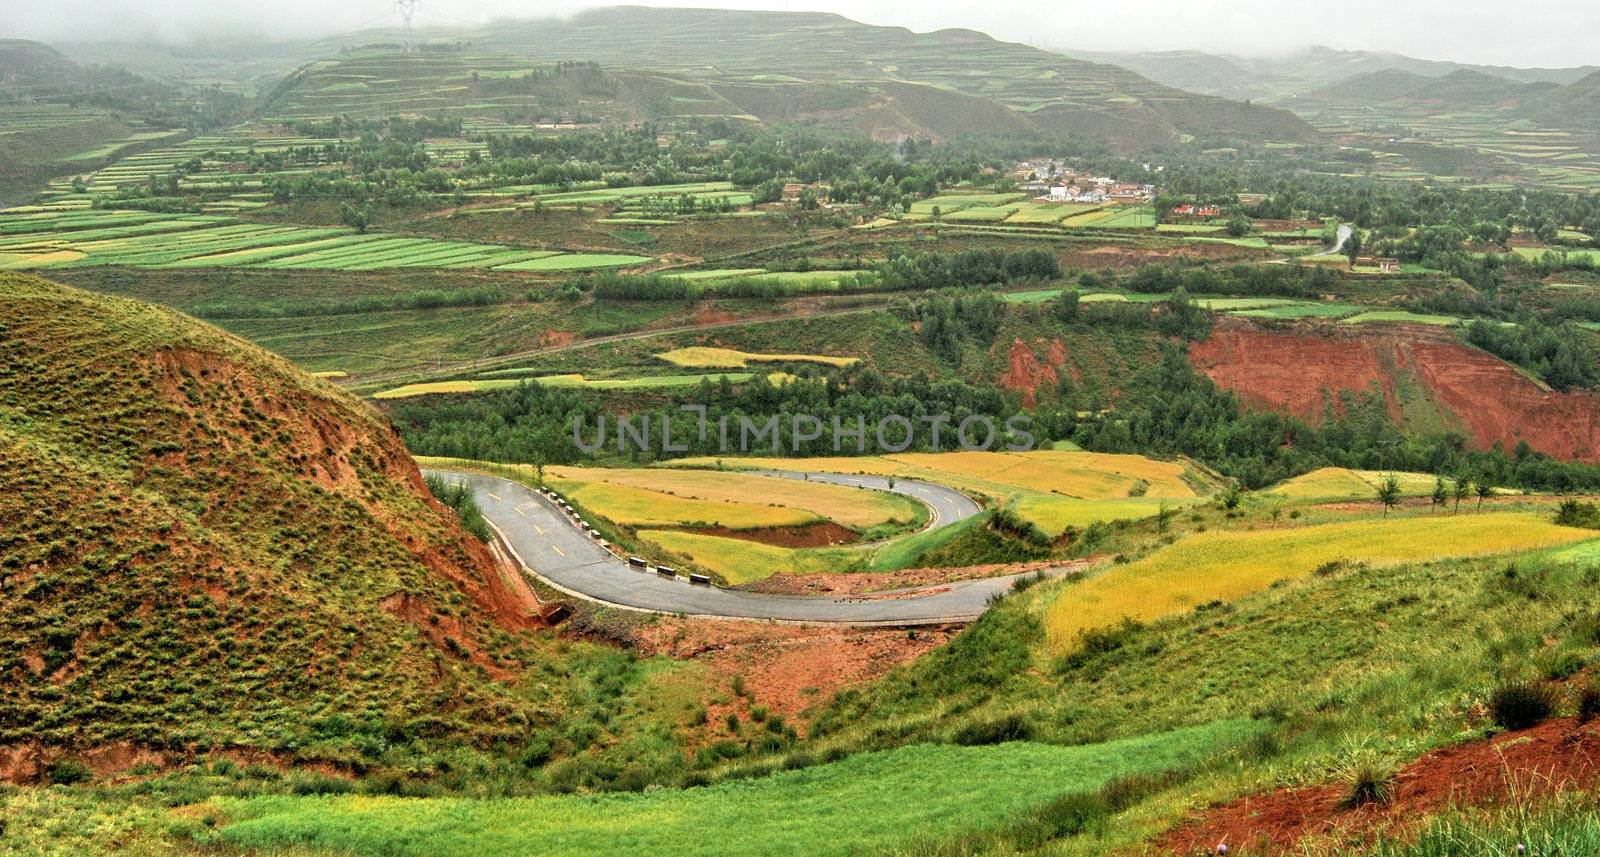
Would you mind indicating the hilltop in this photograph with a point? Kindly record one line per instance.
(771, 58)
(1464, 90)
(207, 548)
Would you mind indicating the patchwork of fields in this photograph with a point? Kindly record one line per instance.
(1053, 489)
(68, 238)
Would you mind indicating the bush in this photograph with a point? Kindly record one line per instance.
(1575, 513)
(66, 772)
(1520, 706)
(1011, 727)
(1588, 702)
(1368, 780)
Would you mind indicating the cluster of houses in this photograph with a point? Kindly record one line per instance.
(1054, 181)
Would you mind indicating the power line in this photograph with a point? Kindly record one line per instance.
(408, 17)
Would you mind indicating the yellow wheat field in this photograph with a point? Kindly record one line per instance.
(739, 561)
(1054, 489)
(852, 507)
(1227, 565)
(1333, 483)
(1074, 473)
(706, 357)
(638, 507)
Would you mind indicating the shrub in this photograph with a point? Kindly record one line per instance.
(1368, 780)
(1011, 727)
(1588, 702)
(66, 772)
(1577, 513)
(1521, 705)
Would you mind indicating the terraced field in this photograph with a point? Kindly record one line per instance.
(649, 382)
(1221, 566)
(64, 238)
(1054, 489)
(665, 497)
(707, 357)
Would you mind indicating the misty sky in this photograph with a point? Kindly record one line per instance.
(1541, 33)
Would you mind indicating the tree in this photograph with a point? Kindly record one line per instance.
(1484, 490)
(1065, 306)
(358, 217)
(1352, 245)
(1238, 226)
(1463, 485)
(1389, 494)
(1440, 493)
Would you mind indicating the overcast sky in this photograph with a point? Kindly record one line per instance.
(1538, 33)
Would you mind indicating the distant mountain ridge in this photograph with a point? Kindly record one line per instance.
(1274, 79)
(780, 50)
(1461, 89)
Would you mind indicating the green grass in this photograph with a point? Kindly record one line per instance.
(1395, 315)
(866, 804)
(575, 262)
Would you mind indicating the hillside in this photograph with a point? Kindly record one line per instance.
(1576, 106)
(1459, 90)
(1428, 380)
(207, 548)
(1049, 91)
(376, 84)
(28, 67)
(1277, 78)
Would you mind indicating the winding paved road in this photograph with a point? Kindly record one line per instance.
(551, 545)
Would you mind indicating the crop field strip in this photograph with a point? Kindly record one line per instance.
(153, 240)
(1224, 565)
(648, 382)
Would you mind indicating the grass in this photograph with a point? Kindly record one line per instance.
(1226, 565)
(886, 801)
(1395, 315)
(707, 357)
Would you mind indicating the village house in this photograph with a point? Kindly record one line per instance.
(1384, 265)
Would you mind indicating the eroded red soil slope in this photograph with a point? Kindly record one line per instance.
(1417, 369)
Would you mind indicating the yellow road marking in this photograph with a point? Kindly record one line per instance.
(494, 495)
(522, 513)
(558, 550)
(538, 529)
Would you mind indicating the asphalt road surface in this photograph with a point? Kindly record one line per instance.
(553, 546)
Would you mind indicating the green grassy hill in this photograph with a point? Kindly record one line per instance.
(1464, 89)
(823, 52)
(1576, 106)
(206, 548)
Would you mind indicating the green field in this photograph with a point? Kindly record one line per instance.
(75, 239)
(866, 804)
